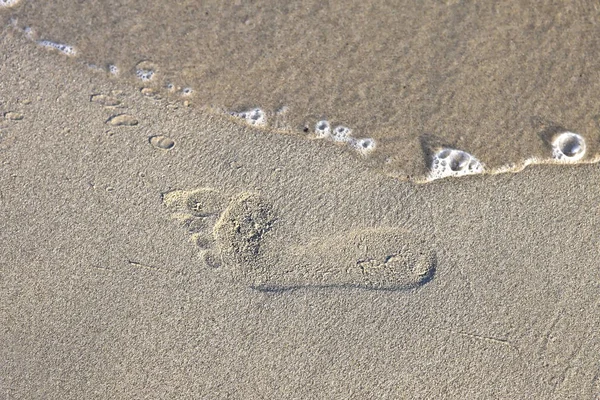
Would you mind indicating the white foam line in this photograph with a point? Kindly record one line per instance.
(63, 48)
(257, 117)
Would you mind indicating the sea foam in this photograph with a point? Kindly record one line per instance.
(451, 162)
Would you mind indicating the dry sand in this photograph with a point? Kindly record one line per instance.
(103, 294)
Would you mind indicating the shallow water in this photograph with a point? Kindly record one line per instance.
(497, 81)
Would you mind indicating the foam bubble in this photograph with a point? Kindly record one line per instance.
(568, 147)
(256, 116)
(145, 74)
(113, 69)
(341, 134)
(145, 70)
(323, 129)
(8, 3)
(364, 145)
(451, 162)
(187, 91)
(63, 48)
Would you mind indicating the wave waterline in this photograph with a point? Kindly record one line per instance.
(513, 131)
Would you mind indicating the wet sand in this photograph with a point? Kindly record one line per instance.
(225, 265)
(486, 78)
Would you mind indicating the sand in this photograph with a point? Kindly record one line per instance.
(492, 79)
(224, 265)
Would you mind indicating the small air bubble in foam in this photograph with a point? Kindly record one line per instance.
(341, 134)
(187, 91)
(256, 116)
(451, 162)
(8, 3)
(170, 87)
(145, 70)
(323, 129)
(63, 48)
(145, 74)
(568, 147)
(113, 69)
(364, 145)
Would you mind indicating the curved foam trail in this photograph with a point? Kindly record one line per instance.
(63, 48)
(450, 162)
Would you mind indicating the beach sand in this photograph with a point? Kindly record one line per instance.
(222, 261)
(494, 79)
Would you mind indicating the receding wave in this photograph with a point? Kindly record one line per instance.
(418, 90)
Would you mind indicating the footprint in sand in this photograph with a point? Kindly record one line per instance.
(198, 211)
(237, 234)
(380, 259)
